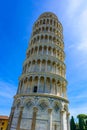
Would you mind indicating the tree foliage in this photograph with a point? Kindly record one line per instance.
(72, 124)
(81, 124)
(82, 118)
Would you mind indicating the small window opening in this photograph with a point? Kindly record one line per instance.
(35, 89)
(3, 123)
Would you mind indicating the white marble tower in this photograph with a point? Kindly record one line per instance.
(41, 102)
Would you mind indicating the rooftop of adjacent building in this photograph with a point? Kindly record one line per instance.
(4, 117)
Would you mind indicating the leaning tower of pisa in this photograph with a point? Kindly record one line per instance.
(41, 101)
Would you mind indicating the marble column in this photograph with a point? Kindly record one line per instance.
(56, 69)
(46, 67)
(42, 50)
(59, 71)
(57, 88)
(47, 50)
(68, 121)
(19, 118)
(35, 110)
(38, 83)
(50, 85)
(40, 66)
(11, 118)
(61, 90)
(22, 88)
(49, 119)
(64, 91)
(56, 53)
(52, 51)
(62, 119)
(44, 85)
(26, 68)
(32, 85)
(26, 86)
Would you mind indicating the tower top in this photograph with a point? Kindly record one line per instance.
(48, 14)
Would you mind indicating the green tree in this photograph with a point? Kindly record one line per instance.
(83, 116)
(86, 124)
(72, 124)
(82, 121)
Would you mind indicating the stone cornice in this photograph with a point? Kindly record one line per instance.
(46, 74)
(48, 33)
(48, 44)
(48, 25)
(43, 95)
(42, 57)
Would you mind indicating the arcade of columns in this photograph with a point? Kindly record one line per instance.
(41, 100)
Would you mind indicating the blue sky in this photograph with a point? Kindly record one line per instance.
(16, 21)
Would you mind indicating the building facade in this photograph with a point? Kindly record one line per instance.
(41, 101)
(3, 122)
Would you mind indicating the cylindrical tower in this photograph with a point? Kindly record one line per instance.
(41, 102)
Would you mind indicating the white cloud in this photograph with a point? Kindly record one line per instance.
(76, 49)
(82, 23)
(78, 108)
(7, 90)
(82, 109)
(82, 27)
(77, 18)
(73, 7)
(77, 24)
(78, 97)
(74, 19)
(83, 46)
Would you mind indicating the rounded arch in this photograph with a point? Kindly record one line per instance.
(28, 104)
(56, 106)
(50, 38)
(43, 104)
(46, 37)
(47, 28)
(17, 103)
(65, 107)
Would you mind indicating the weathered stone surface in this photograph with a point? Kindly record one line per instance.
(41, 102)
